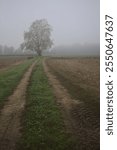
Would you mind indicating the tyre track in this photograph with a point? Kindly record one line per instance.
(79, 121)
(11, 113)
(64, 100)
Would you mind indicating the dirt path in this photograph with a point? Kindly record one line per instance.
(11, 112)
(76, 116)
(63, 99)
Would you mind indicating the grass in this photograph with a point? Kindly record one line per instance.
(43, 126)
(9, 79)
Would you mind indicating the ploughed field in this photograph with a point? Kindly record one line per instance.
(80, 76)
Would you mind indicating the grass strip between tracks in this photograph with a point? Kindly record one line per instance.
(42, 122)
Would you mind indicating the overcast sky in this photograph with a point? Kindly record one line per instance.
(73, 21)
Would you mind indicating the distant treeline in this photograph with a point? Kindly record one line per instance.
(10, 50)
(6, 50)
(57, 51)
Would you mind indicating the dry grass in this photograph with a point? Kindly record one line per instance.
(7, 61)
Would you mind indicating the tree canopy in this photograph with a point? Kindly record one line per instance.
(38, 38)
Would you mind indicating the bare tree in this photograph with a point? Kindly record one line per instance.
(38, 37)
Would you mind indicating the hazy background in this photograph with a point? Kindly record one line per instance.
(75, 23)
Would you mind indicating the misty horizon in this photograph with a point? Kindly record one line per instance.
(73, 21)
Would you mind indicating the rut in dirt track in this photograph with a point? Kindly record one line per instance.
(76, 116)
(11, 113)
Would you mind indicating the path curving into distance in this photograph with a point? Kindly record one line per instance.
(11, 113)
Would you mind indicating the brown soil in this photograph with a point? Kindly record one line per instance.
(11, 112)
(85, 70)
(80, 121)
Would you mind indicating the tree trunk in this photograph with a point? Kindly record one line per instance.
(39, 53)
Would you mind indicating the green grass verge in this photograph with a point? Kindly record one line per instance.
(9, 79)
(43, 126)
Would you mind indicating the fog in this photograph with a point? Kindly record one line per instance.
(74, 22)
(74, 50)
